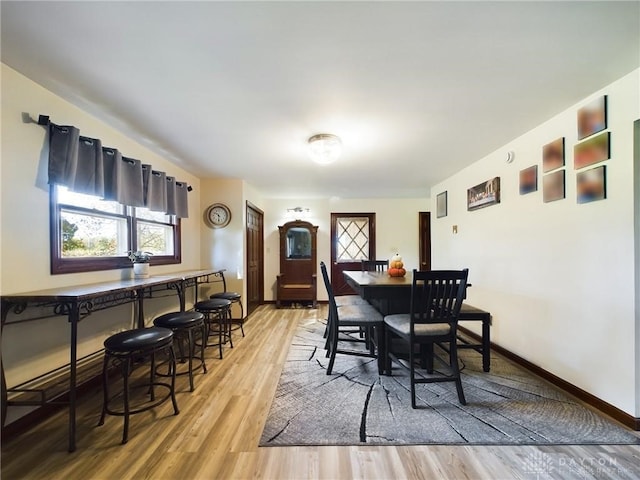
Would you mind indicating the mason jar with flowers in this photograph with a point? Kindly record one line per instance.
(140, 261)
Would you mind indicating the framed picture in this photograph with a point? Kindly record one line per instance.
(529, 180)
(441, 205)
(591, 151)
(553, 186)
(484, 194)
(592, 118)
(553, 155)
(591, 184)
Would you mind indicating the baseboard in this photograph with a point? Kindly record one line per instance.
(590, 399)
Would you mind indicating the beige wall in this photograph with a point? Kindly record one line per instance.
(558, 277)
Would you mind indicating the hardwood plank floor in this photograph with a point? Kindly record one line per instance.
(216, 434)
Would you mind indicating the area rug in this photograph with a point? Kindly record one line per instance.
(356, 406)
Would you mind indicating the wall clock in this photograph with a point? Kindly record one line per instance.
(217, 215)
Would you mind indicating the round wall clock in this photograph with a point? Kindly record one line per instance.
(217, 215)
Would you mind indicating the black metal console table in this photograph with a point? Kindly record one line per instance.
(77, 303)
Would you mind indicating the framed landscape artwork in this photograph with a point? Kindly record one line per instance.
(553, 155)
(593, 150)
(591, 185)
(553, 186)
(529, 180)
(592, 118)
(441, 205)
(484, 194)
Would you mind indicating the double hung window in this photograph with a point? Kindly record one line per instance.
(88, 233)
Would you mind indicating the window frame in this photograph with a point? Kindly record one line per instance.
(60, 265)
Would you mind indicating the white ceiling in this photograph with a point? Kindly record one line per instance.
(416, 90)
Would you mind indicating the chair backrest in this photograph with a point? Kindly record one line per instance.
(437, 295)
(374, 265)
(333, 309)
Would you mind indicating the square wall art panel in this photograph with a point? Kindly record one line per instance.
(593, 150)
(553, 186)
(591, 184)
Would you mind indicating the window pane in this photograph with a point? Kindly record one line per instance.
(353, 239)
(86, 235)
(155, 238)
(147, 214)
(66, 197)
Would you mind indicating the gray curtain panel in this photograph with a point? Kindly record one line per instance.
(182, 210)
(63, 154)
(112, 161)
(155, 189)
(89, 178)
(130, 185)
(171, 195)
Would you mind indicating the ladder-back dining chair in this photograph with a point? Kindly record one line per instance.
(436, 299)
(359, 316)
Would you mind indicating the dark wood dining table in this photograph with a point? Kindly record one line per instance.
(393, 295)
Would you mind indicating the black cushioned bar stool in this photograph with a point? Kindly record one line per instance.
(233, 297)
(184, 325)
(217, 312)
(126, 347)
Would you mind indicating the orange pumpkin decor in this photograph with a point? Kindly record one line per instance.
(396, 267)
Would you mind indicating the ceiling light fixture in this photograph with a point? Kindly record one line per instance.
(325, 148)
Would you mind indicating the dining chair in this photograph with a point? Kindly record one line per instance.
(436, 299)
(374, 265)
(363, 315)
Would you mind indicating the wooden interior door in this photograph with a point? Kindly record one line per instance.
(255, 257)
(353, 238)
(425, 240)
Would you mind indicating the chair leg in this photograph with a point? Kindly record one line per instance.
(453, 358)
(172, 366)
(191, 348)
(412, 377)
(333, 341)
(125, 400)
(203, 342)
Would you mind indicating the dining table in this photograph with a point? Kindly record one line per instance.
(391, 295)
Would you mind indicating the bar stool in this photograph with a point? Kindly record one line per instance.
(233, 297)
(217, 312)
(183, 325)
(126, 347)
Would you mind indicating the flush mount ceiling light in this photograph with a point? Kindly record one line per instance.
(325, 148)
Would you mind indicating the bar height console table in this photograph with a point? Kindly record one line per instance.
(78, 302)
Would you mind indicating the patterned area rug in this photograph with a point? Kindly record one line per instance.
(356, 406)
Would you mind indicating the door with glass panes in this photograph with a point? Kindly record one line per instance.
(352, 239)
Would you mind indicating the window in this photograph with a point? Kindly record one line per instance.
(89, 234)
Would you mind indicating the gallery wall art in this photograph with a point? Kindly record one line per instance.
(592, 118)
(484, 194)
(553, 186)
(441, 205)
(591, 184)
(593, 150)
(553, 155)
(529, 180)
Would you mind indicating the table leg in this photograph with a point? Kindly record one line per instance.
(382, 348)
(74, 318)
(486, 343)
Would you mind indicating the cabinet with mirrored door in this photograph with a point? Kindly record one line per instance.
(297, 283)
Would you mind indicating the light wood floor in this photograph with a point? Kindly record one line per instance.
(217, 431)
